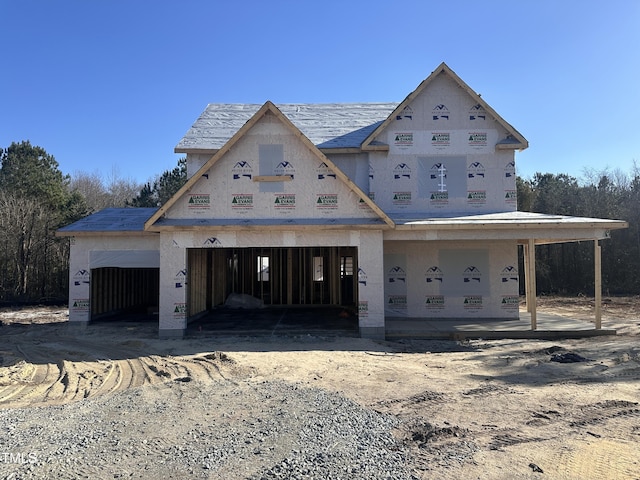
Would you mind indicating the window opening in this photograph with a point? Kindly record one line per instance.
(318, 269)
(263, 268)
(346, 267)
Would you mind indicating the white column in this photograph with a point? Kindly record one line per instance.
(173, 298)
(371, 285)
(525, 253)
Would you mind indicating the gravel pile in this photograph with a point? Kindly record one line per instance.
(183, 429)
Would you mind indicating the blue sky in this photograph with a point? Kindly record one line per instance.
(112, 86)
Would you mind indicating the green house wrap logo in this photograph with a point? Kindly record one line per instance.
(363, 205)
(401, 198)
(403, 139)
(477, 197)
(199, 200)
(440, 139)
(327, 201)
(510, 302)
(434, 302)
(285, 201)
(242, 201)
(80, 305)
(397, 301)
(511, 197)
(477, 139)
(179, 310)
(439, 199)
(472, 302)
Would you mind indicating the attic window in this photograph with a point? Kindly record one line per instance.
(271, 175)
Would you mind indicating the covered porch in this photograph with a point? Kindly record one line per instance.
(529, 230)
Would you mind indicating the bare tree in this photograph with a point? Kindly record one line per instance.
(99, 193)
(24, 227)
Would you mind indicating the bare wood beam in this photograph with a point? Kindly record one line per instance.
(527, 291)
(532, 283)
(272, 178)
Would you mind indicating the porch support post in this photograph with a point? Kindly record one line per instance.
(597, 255)
(525, 251)
(531, 304)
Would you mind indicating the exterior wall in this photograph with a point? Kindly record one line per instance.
(370, 285)
(455, 279)
(173, 295)
(442, 162)
(80, 267)
(355, 166)
(173, 246)
(195, 161)
(442, 158)
(229, 190)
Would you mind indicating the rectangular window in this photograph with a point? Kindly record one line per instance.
(346, 267)
(263, 268)
(318, 269)
(269, 158)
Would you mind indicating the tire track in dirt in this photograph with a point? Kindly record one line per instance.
(82, 370)
(602, 458)
(16, 383)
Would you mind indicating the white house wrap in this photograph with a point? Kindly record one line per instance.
(392, 210)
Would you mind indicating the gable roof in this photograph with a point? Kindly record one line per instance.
(327, 126)
(514, 139)
(268, 107)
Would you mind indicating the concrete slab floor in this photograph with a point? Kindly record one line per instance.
(548, 326)
(338, 321)
(277, 321)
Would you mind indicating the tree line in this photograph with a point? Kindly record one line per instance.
(36, 199)
(567, 268)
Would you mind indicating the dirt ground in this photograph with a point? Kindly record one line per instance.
(561, 409)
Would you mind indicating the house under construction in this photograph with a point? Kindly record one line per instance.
(387, 209)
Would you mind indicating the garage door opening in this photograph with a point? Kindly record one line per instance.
(125, 292)
(310, 278)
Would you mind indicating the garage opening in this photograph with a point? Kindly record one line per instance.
(311, 277)
(125, 291)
